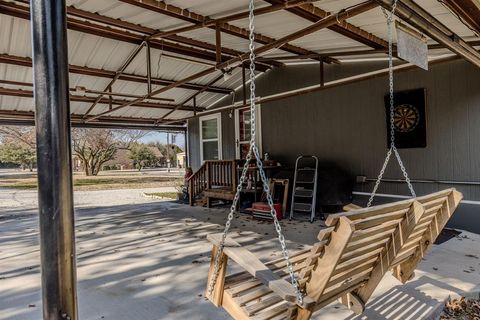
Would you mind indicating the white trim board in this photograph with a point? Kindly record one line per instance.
(217, 116)
(258, 129)
(397, 196)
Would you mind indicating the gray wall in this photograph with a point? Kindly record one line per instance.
(346, 125)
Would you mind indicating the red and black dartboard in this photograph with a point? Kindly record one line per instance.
(405, 118)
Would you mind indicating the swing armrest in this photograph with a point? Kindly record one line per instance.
(350, 207)
(259, 270)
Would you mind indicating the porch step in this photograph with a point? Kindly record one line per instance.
(202, 202)
(219, 193)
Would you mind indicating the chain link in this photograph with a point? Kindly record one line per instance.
(393, 149)
(253, 150)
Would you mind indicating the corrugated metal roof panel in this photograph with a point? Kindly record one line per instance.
(127, 12)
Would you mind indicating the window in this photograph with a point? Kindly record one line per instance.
(210, 138)
(242, 131)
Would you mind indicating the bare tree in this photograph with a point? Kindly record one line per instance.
(94, 147)
(128, 138)
(15, 135)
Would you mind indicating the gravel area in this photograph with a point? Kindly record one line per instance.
(12, 198)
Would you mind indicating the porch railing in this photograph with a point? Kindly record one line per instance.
(212, 174)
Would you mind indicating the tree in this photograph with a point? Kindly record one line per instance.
(94, 147)
(143, 156)
(22, 155)
(169, 152)
(18, 146)
(127, 138)
(18, 135)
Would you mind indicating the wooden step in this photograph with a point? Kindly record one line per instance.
(219, 193)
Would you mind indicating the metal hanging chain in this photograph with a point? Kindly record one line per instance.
(266, 188)
(390, 18)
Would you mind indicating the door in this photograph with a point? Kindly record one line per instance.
(242, 131)
(210, 137)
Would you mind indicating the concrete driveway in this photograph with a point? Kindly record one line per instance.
(140, 258)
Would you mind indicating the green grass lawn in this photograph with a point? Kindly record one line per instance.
(101, 182)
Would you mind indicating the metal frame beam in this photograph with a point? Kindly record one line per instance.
(193, 48)
(321, 24)
(467, 11)
(127, 62)
(236, 16)
(55, 195)
(194, 98)
(313, 14)
(320, 87)
(338, 54)
(102, 73)
(419, 18)
(8, 117)
(88, 99)
(195, 18)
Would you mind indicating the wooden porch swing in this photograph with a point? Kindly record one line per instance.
(352, 255)
(348, 262)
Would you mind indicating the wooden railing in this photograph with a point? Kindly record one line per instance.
(213, 174)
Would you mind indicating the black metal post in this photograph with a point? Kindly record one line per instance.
(55, 197)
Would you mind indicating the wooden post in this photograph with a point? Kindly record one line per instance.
(191, 195)
(234, 175)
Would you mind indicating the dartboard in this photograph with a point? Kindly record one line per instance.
(405, 118)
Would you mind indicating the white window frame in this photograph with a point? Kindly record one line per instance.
(217, 116)
(258, 130)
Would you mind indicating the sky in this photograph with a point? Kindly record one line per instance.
(154, 136)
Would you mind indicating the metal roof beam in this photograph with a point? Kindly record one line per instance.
(102, 73)
(325, 86)
(435, 46)
(467, 11)
(324, 23)
(313, 14)
(232, 17)
(27, 118)
(195, 18)
(419, 18)
(23, 11)
(193, 97)
(148, 32)
(87, 99)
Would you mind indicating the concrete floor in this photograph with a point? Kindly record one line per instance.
(149, 260)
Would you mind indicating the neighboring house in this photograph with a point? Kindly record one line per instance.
(181, 160)
(346, 126)
(121, 161)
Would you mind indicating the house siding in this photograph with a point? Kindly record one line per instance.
(346, 125)
(228, 139)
